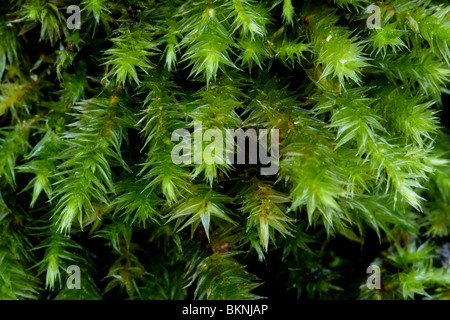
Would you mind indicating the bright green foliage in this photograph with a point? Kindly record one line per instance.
(254, 52)
(207, 39)
(130, 50)
(215, 108)
(422, 68)
(58, 249)
(288, 11)
(14, 142)
(261, 203)
(249, 18)
(85, 173)
(160, 118)
(98, 9)
(200, 207)
(419, 274)
(136, 202)
(92, 120)
(337, 52)
(383, 38)
(291, 51)
(43, 14)
(221, 277)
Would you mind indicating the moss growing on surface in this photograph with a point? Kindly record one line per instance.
(121, 154)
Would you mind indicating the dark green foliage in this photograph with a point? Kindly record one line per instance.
(90, 118)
